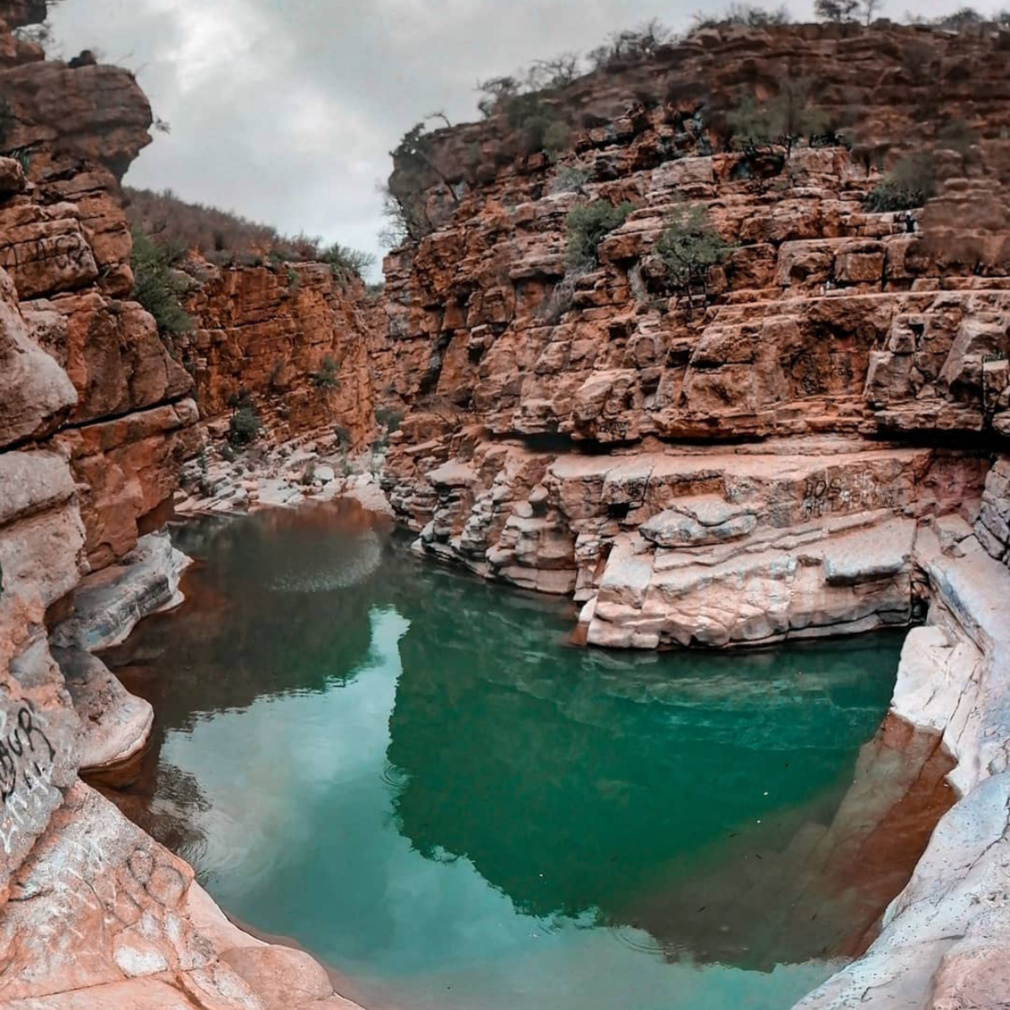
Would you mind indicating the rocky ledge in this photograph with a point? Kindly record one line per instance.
(945, 937)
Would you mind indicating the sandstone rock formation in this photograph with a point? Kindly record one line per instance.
(95, 424)
(818, 446)
(556, 417)
(291, 339)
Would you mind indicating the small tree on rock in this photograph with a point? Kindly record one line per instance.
(837, 10)
(588, 225)
(688, 248)
(157, 285)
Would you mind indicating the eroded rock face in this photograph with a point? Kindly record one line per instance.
(563, 426)
(110, 602)
(944, 939)
(693, 547)
(115, 724)
(293, 339)
(40, 541)
(37, 394)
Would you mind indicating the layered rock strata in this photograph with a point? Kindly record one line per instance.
(558, 417)
(95, 422)
(293, 340)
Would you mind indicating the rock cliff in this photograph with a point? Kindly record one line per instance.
(292, 339)
(96, 419)
(662, 456)
(813, 441)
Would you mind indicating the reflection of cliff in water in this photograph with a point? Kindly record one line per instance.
(703, 784)
(275, 603)
(706, 799)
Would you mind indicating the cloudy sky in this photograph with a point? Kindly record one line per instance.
(285, 110)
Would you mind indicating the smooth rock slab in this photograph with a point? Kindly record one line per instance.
(109, 604)
(699, 522)
(115, 725)
(98, 901)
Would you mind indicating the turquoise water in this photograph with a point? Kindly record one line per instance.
(414, 775)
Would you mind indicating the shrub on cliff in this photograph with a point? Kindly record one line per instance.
(745, 15)
(328, 376)
(688, 248)
(786, 119)
(848, 10)
(909, 184)
(245, 426)
(415, 171)
(388, 418)
(537, 124)
(346, 262)
(629, 47)
(570, 179)
(588, 225)
(157, 286)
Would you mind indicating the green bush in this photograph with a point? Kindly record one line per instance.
(388, 418)
(245, 426)
(156, 285)
(909, 184)
(345, 262)
(328, 376)
(785, 119)
(688, 248)
(538, 124)
(588, 225)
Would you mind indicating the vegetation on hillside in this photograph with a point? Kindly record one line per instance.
(328, 376)
(230, 239)
(157, 285)
(533, 112)
(908, 185)
(688, 248)
(588, 225)
(787, 118)
(245, 425)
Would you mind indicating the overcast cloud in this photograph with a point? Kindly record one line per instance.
(285, 110)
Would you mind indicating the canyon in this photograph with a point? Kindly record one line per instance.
(817, 446)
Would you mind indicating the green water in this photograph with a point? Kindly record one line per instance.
(415, 776)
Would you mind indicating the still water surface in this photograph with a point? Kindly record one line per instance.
(415, 776)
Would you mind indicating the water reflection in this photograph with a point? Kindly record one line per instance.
(412, 773)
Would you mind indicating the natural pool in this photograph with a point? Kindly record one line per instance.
(414, 775)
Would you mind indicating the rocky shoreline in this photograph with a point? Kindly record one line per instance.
(819, 448)
(951, 683)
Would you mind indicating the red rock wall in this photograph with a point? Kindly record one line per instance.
(827, 329)
(266, 332)
(127, 424)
